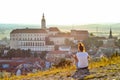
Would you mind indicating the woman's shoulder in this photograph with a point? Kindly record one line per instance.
(86, 53)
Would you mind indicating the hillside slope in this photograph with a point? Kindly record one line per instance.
(103, 69)
(110, 72)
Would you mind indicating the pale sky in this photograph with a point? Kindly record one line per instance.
(60, 12)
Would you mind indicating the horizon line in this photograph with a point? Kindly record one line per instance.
(65, 24)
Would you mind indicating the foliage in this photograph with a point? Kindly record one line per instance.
(43, 54)
(48, 42)
(69, 43)
(66, 71)
(1, 52)
(63, 63)
(117, 43)
(92, 42)
(18, 53)
(35, 55)
(91, 34)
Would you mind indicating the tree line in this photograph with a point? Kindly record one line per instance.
(15, 53)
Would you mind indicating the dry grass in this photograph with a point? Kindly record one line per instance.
(66, 71)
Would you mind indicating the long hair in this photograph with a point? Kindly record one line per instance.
(81, 47)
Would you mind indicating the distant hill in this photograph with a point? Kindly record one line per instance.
(5, 29)
(97, 29)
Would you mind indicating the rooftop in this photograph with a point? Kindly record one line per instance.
(27, 30)
(53, 29)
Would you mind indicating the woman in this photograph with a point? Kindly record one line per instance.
(81, 59)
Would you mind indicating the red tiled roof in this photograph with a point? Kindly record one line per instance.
(54, 29)
(27, 30)
(100, 37)
(57, 52)
(80, 31)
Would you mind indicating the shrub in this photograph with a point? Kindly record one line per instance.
(63, 63)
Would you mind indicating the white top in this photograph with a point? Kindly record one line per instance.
(82, 59)
(18, 72)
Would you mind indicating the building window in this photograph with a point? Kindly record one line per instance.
(33, 43)
(36, 44)
(24, 44)
(30, 43)
(37, 38)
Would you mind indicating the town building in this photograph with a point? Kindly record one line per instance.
(59, 39)
(108, 47)
(43, 22)
(33, 39)
(80, 35)
(56, 56)
(43, 39)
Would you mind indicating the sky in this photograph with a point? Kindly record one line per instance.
(60, 12)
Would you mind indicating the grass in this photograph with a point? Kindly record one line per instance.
(67, 71)
(104, 62)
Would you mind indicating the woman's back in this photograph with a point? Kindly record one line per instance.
(82, 59)
(82, 62)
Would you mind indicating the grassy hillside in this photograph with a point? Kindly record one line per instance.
(103, 69)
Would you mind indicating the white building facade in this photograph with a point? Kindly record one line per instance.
(33, 39)
(59, 39)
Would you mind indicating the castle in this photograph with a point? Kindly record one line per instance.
(43, 39)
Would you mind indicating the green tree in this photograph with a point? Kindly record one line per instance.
(1, 52)
(117, 43)
(92, 42)
(35, 55)
(99, 43)
(18, 53)
(91, 34)
(28, 53)
(43, 54)
(11, 53)
(48, 42)
(69, 43)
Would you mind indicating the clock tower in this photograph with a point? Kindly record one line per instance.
(43, 22)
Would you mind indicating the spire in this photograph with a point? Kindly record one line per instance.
(43, 16)
(110, 35)
(43, 22)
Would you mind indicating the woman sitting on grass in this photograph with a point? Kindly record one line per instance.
(81, 59)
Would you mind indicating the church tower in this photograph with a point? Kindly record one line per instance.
(43, 22)
(110, 35)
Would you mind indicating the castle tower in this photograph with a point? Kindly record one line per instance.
(110, 35)
(43, 22)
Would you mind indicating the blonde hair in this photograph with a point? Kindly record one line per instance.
(81, 47)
